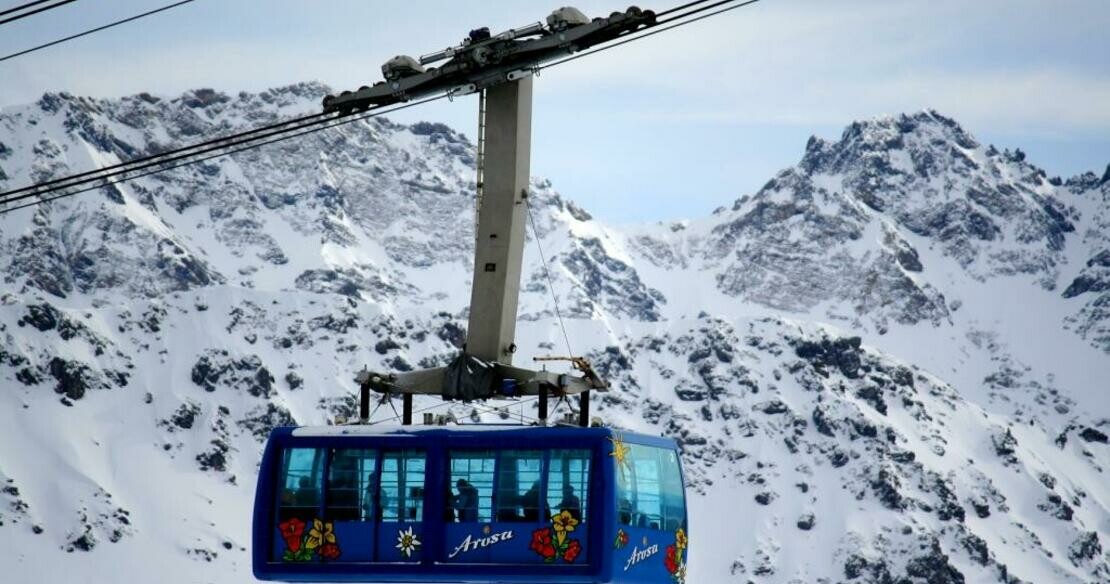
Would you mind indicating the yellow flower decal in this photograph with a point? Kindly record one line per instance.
(563, 523)
(680, 539)
(320, 534)
(620, 454)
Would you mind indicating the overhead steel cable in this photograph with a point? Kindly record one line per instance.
(719, 3)
(156, 161)
(97, 29)
(311, 130)
(175, 154)
(33, 12)
(677, 8)
(655, 30)
(27, 5)
(290, 129)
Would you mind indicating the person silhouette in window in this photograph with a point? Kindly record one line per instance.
(624, 511)
(532, 502)
(466, 502)
(306, 493)
(449, 504)
(374, 491)
(571, 503)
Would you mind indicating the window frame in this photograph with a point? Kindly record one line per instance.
(666, 461)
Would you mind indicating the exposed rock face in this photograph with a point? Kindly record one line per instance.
(842, 357)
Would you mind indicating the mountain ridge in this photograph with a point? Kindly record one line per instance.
(902, 301)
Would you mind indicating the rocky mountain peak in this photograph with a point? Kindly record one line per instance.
(870, 144)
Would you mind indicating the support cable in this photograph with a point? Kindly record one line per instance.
(320, 121)
(31, 13)
(312, 130)
(654, 31)
(88, 175)
(91, 31)
(547, 274)
(27, 5)
(678, 8)
(160, 160)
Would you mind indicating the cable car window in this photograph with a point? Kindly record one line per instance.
(650, 489)
(471, 476)
(519, 491)
(568, 482)
(674, 498)
(301, 478)
(401, 495)
(352, 486)
(648, 503)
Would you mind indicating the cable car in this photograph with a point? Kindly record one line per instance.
(478, 503)
(470, 503)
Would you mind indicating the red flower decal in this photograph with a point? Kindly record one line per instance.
(670, 561)
(291, 532)
(542, 543)
(329, 551)
(573, 549)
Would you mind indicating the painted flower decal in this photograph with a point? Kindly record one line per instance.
(407, 542)
(675, 558)
(680, 539)
(301, 546)
(291, 532)
(320, 534)
(670, 560)
(572, 551)
(543, 544)
(621, 540)
(329, 551)
(552, 542)
(620, 454)
(563, 522)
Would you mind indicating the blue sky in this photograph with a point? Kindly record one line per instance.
(666, 128)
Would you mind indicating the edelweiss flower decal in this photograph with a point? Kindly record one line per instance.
(407, 542)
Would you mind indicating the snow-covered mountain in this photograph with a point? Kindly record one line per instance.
(890, 364)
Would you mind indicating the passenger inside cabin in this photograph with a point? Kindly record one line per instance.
(449, 504)
(571, 503)
(532, 502)
(306, 493)
(624, 510)
(466, 502)
(373, 487)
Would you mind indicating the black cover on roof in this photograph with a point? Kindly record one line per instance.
(468, 378)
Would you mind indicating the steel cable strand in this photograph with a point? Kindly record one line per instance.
(88, 174)
(31, 13)
(341, 122)
(91, 31)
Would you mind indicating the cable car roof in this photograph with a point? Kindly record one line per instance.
(504, 431)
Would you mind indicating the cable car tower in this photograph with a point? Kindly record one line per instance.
(500, 69)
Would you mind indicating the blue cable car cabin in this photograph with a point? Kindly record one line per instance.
(507, 504)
